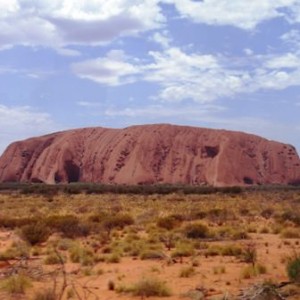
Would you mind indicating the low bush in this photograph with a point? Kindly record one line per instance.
(81, 255)
(16, 284)
(292, 216)
(183, 250)
(213, 250)
(187, 272)
(53, 259)
(116, 222)
(150, 287)
(169, 222)
(290, 233)
(16, 250)
(196, 231)
(11, 223)
(240, 235)
(253, 271)
(69, 225)
(293, 268)
(35, 233)
(113, 258)
(44, 295)
(249, 254)
(267, 213)
(152, 254)
(231, 250)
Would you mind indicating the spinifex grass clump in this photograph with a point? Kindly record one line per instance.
(84, 256)
(17, 249)
(35, 233)
(196, 231)
(44, 295)
(116, 222)
(187, 272)
(253, 271)
(151, 287)
(293, 268)
(169, 222)
(16, 284)
(69, 225)
(183, 249)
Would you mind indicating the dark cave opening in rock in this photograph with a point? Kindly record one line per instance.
(211, 151)
(248, 180)
(57, 178)
(72, 171)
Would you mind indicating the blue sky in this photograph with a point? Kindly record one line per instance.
(232, 64)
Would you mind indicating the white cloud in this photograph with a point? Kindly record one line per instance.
(239, 13)
(67, 52)
(89, 104)
(22, 122)
(288, 60)
(8, 7)
(248, 51)
(295, 13)
(110, 70)
(162, 38)
(61, 23)
(32, 73)
(193, 76)
(158, 111)
(201, 78)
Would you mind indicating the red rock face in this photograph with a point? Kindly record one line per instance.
(151, 154)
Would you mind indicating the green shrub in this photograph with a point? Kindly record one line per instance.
(82, 255)
(213, 250)
(52, 259)
(196, 231)
(9, 222)
(293, 268)
(219, 215)
(148, 287)
(198, 215)
(253, 271)
(249, 254)
(65, 244)
(118, 222)
(152, 254)
(240, 235)
(231, 250)
(17, 249)
(16, 284)
(267, 213)
(68, 225)
(169, 222)
(219, 270)
(290, 233)
(292, 216)
(44, 295)
(187, 272)
(35, 233)
(183, 250)
(113, 258)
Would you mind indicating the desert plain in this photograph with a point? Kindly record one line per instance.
(235, 243)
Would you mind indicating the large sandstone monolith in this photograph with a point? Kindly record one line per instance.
(151, 154)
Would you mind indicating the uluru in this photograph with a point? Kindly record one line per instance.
(150, 154)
